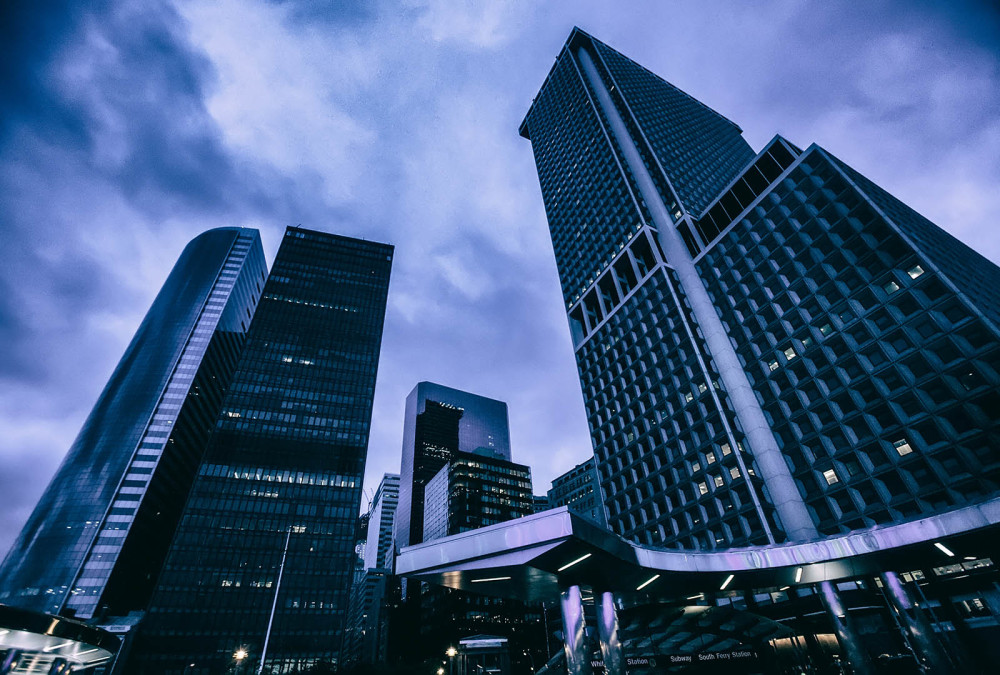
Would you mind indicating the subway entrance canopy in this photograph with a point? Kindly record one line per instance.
(536, 557)
(558, 555)
(33, 642)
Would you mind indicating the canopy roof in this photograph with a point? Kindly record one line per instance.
(534, 557)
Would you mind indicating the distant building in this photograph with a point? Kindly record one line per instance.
(438, 422)
(540, 503)
(97, 538)
(475, 490)
(580, 490)
(379, 539)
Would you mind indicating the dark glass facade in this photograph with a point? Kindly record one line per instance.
(440, 421)
(264, 553)
(96, 539)
(769, 345)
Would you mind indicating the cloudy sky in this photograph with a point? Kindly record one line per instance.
(128, 127)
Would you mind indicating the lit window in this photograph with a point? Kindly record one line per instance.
(695, 466)
(807, 342)
(734, 473)
(726, 449)
(718, 481)
(890, 287)
(710, 456)
(831, 477)
(902, 447)
(790, 353)
(702, 388)
(772, 366)
(915, 271)
(703, 488)
(688, 397)
(825, 329)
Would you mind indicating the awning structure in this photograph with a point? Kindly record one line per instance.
(535, 557)
(32, 642)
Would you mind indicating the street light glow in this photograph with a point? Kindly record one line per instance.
(451, 650)
(240, 654)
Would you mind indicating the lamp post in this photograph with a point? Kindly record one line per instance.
(451, 660)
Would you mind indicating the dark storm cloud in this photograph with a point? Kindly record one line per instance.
(126, 128)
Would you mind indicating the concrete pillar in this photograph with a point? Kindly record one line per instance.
(854, 651)
(921, 635)
(607, 630)
(59, 667)
(10, 661)
(574, 642)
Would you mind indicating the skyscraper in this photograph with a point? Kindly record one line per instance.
(261, 564)
(96, 539)
(438, 422)
(771, 347)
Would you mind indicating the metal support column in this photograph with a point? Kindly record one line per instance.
(854, 652)
(59, 667)
(10, 661)
(574, 642)
(922, 638)
(607, 631)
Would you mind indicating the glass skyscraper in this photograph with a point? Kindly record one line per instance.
(259, 571)
(98, 535)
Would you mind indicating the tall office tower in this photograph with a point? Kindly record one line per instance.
(95, 541)
(379, 540)
(262, 560)
(440, 421)
(771, 347)
(580, 490)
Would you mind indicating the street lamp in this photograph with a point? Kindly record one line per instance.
(451, 660)
(239, 656)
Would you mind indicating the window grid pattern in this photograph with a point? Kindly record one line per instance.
(880, 385)
(587, 198)
(658, 433)
(700, 150)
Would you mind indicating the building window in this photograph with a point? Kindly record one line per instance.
(890, 287)
(710, 456)
(718, 481)
(726, 449)
(703, 488)
(772, 366)
(902, 447)
(831, 477)
(915, 271)
(825, 329)
(734, 473)
(790, 353)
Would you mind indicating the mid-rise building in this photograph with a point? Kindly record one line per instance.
(475, 489)
(260, 568)
(580, 490)
(96, 540)
(540, 503)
